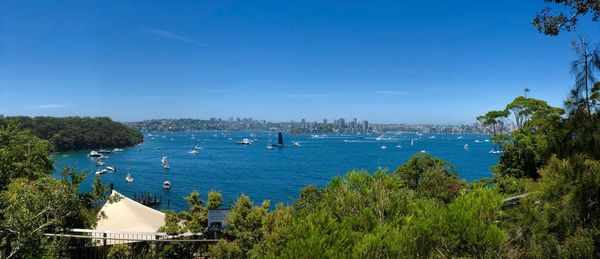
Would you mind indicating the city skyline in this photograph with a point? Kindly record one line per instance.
(384, 61)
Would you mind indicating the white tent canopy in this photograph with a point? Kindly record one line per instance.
(128, 215)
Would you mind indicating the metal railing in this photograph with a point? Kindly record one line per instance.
(87, 243)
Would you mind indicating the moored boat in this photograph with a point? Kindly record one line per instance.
(94, 153)
(244, 142)
(129, 178)
(166, 185)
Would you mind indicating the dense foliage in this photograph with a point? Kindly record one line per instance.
(79, 133)
(33, 202)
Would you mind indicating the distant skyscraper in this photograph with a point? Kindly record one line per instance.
(324, 121)
(365, 126)
(341, 123)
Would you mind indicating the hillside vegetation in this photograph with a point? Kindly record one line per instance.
(79, 133)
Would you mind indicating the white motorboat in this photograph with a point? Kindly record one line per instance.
(296, 144)
(166, 185)
(398, 146)
(244, 142)
(94, 153)
(164, 160)
(383, 147)
(104, 151)
(380, 138)
(129, 178)
(103, 171)
(166, 166)
(117, 150)
(495, 151)
(466, 146)
(423, 151)
(100, 163)
(269, 147)
(194, 152)
(111, 168)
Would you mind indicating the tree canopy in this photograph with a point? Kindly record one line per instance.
(79, 133)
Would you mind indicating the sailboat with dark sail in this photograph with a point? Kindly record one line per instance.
(279, 140)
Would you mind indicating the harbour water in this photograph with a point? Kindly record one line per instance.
(277, 174)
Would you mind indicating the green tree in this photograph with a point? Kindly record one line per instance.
(22, 155)
(552, 24)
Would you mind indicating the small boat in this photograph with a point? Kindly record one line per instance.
(100, 163)
(111, 168)
(129, 178)
(383, 147)
(477, 141)
(380, 138)
(431, 137)
(194, 152)
(104, 151)
(158, 147)
(166, 185)
(412, 141)
(244, 142)
(197, 147)
(100, 171)
(94, 153)
(296, 144)
(487, 140)
(398, 146)
(466, 146)
(117, 150)
(423, 151)
(495, 151)
(269, 147)
(164, 160)
(166, 166)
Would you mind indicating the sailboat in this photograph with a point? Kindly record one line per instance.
(279, 140)
(412, 141)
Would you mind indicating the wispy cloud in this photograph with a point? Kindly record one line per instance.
(389, 92)
(48, 106)
(307, 95)
(173, 36)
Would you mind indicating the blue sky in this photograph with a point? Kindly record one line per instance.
(384, 61)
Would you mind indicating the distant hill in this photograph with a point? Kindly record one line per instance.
(79, 133)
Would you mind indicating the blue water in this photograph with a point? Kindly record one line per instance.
(278, 174)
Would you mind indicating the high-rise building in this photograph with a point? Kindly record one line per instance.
(325, 121)
(341, 123)
(365, 126)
